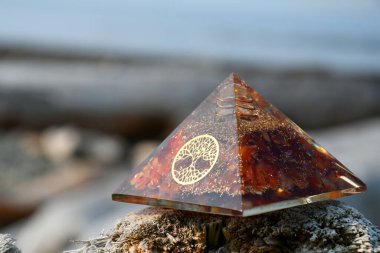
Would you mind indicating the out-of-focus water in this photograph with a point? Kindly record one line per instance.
(342, 34)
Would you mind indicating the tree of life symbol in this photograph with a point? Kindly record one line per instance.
(195, 159)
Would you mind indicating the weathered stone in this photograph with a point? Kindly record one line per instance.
(8, 244)
(328, 226)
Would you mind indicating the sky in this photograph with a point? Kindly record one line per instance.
(342, 34)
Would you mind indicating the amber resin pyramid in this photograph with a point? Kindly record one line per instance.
(236, 154)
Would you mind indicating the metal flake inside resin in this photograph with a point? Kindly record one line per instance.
(236, 154)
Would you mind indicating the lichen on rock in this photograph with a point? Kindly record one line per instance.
(328, 226)
(8, 244)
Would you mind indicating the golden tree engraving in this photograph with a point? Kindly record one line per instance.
(195, 159)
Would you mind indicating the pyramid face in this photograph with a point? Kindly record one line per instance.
(236, 154)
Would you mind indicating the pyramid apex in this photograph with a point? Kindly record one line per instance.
(234, 77)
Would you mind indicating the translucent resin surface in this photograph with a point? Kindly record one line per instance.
(236, 154)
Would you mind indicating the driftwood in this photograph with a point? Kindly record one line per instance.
(322, 227)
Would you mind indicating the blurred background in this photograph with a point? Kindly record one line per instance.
(89, 88)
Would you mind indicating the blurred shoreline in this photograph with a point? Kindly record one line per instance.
(124, 94)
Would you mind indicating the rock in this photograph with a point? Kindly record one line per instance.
(8, 244)
(59, 143)
(17, 163)
(58, 159)
(65, 143)
(328, 226)
(101, 148)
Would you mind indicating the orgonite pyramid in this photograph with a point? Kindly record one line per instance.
(236, 154)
